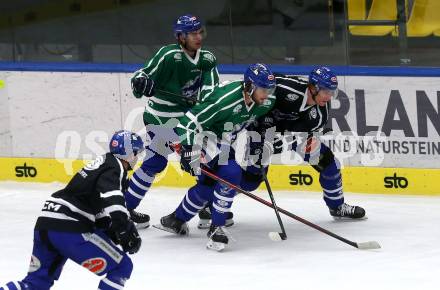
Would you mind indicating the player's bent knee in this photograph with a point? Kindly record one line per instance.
(116, 278)
(123, 270)
(250, 181)
(325, 160)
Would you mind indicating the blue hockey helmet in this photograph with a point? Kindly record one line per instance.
(260, 76)
(126, 145)
(324, 78)
(185, 24)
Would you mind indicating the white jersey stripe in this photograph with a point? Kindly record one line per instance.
(73, 208)
(161, 102)
(111, 193)
(161, 60)
(57, 215)
(218, 101)
(116, 207)
(163, 114)
(225, 108)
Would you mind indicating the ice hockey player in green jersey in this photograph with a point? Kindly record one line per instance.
(176, 78)
(227, 110)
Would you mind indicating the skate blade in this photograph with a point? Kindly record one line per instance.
(211, 245)
(348, 219)
(229, 223)
(142, 226)
(161, 227)
(204, 224)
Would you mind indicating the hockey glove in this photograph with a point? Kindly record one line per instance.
(142, 85)
(260, 152)
(190, 156)
(129, 238)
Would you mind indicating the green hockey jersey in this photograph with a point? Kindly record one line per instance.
(223, 111)
(180, 81)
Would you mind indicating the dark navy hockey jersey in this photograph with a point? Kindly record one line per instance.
(94, 193)
(291, 112)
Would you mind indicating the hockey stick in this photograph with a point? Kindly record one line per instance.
(168, 93)
(361, 246)
(274, 235)
(188, 100)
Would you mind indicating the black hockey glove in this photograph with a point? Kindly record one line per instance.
(190, 156)
(260, 152)
(265, 123)
(128, 238)
(142, 85)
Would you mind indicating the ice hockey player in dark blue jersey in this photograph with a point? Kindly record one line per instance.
(86, 221)
(301, 110)
(303, 106)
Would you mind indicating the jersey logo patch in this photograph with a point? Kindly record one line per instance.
(237, 109)
(51, 206)
(313, 113)
(222, 203)
(178, 56)
(95, 265)
(292, 97)
(191, 88)
(34, 265)
(208, 57)
(95, 163)
(267, 102)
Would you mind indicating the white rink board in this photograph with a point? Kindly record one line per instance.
(83, 109)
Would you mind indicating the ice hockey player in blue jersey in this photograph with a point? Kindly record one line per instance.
(85, 221)
(302, 106)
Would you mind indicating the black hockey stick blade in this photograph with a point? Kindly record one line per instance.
(276, 237)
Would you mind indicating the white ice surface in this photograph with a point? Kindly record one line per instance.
(408, 228)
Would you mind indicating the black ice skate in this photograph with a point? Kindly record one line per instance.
(346, 211)
(141, 220)
(217, 238)
(172, 224)
(205, 218)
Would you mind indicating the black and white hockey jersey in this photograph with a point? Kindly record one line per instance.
(94, 193)
(291, 112)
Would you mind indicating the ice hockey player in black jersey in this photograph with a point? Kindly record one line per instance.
(302, 105)
(86, 221)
